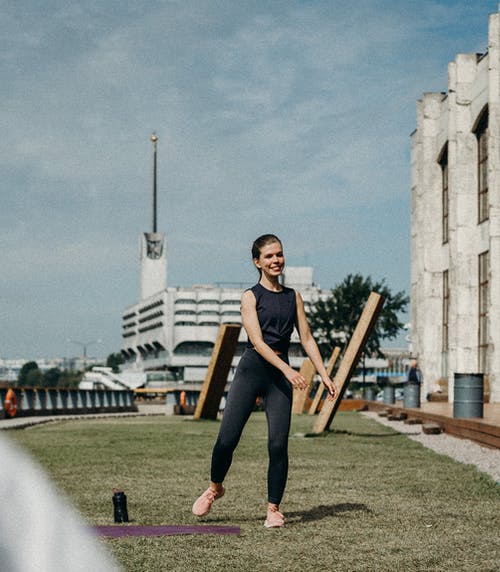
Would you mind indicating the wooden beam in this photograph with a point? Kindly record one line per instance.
(352, 354)
(300, 396)
(218, 370)
(321, 388)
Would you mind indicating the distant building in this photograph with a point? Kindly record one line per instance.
(10, 368)
(455, 222)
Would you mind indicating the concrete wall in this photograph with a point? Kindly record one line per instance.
(450, 119)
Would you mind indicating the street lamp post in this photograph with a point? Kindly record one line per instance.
(85, 345)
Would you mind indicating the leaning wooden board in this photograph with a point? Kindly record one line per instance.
(300, 396)
(321, 388)
(348, 363)
(218, 370)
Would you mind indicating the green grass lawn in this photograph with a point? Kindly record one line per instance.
(360, 497)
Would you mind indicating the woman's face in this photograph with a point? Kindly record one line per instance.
(271, 260)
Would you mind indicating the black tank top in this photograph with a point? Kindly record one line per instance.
(277, 313)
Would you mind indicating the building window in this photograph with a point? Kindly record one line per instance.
(154, 304)
(484, 270)
(151, 327)
(185, 301)
(481, 132)
(194, 348)
(443, 162)
(149, 317)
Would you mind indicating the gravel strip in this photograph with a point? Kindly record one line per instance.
(463, 450)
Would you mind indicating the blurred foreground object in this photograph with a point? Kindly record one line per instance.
(39, 531)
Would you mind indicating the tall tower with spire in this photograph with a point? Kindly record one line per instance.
(153, 245)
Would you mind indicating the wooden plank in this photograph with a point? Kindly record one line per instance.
(476, 430)
(352, 405)
(300, 396)
(321, 388)
(480, 437)
(431, 429)
(218, 370)
(412, 421)
(398, 416)
(352, 354)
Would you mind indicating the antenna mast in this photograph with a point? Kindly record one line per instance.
(154, 139)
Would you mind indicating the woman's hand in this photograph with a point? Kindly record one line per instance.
(297, 380)
(330, 386)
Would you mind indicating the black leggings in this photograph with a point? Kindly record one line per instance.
(255, 377)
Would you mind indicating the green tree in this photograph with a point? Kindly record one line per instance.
(34, 378)
(51, 377)
(334, 318)
(114, 361)
(22, 378)
(69, 378)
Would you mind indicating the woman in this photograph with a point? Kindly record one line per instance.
(269, 312)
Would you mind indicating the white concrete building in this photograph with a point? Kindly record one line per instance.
(455, 222)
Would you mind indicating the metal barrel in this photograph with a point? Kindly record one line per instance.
(411, 395)
(369, 393)
(389, 394)
(468, 395)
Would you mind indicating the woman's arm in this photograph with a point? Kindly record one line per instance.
(311, 347)
(251, 324)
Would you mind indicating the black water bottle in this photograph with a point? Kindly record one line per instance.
(120, 506)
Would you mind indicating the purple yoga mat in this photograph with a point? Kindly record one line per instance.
(168, 530)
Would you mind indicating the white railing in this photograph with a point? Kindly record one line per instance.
(55, 401)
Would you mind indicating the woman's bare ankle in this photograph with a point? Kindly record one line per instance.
(216, 487)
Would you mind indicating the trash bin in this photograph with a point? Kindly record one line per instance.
(389, 394)
(468, 395)
(411, 395)
(369, 393)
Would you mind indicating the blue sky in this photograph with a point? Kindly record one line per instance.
(292, 117)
